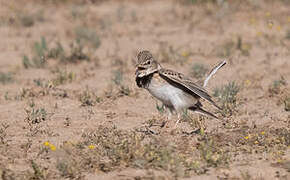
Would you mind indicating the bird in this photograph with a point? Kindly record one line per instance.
(176, 91)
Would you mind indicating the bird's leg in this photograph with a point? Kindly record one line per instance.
(169, 112)
(179, 116)
(169, 115)
(182, 114)
(178, 119)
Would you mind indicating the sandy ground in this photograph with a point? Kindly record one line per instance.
(60, 102)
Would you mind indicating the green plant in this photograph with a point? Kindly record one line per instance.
(117, 77)
(227, 96)
(118, 81)
(27, 20)
(287, 103)
(275, 87)
(39, 57)
(26, 62)
(63, 77)
(88, 98)
(35, 116)
(211, 153)
(40, 82)
(78, 12)
(41, 53)
(243, 47)
(37, 172)
(168, 53)
(77, 53)
(199, 70)
(160, 108)
(67, 169)
(87, 35)
(228, 48)
(56, 52)
(6, 78)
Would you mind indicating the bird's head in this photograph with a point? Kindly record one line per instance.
(146, 64)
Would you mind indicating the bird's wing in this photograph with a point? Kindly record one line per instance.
(182, 82)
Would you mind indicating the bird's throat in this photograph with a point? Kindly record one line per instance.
(143, 82)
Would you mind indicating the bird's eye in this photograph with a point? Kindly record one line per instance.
(148, 62)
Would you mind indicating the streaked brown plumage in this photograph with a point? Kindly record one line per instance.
(176, 91)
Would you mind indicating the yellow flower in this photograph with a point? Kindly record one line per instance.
(73, 76)
(270, 25)
(256, 142)
(92, 146)
(278, 28)
(245, 47)
(246, 137)
(263, 132)
(52, 147)
(259, 34)
(46, 143)
(247, 82)
(185, 54)
(252, 21)
(268, 14)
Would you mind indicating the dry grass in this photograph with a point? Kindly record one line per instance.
(71, 110)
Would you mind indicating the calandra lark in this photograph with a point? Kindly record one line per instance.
(176, 91)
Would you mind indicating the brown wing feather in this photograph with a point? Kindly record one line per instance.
(180, 79)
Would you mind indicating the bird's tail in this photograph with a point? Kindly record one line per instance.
(202, 111)
(212, 72)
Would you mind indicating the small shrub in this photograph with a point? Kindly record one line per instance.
(63, 77)
(226, 50)
(56, 52)
(243, 47)
(287, 103)
(168, 53)
(227, 96)
(118, 81)
(41, 53)
(35, 116)
(88, 98)
(86, 35)
(160, 108)
(39, 57)
(230, 47)
(27, 20)
(198, 70)
(67, 169)
(211, 153)
(77, 53)
(37, 171)
(117, 77)
(6, 78)
(275, 87)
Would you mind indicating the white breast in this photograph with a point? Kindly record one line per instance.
(171, 95)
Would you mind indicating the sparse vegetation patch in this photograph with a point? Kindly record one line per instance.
(227, 95)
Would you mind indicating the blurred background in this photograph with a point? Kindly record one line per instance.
(67, 68)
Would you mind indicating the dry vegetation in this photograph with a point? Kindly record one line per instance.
(70, 108)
